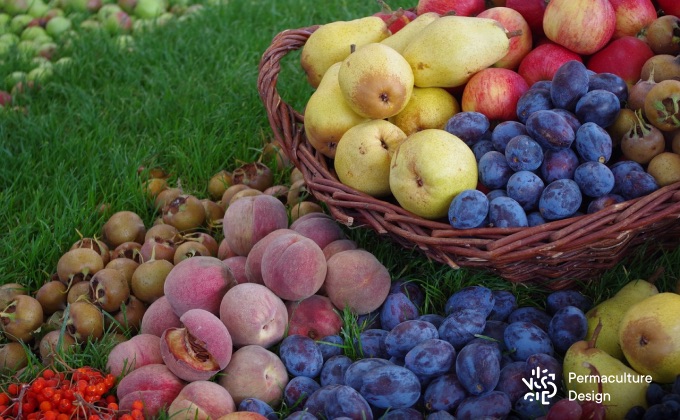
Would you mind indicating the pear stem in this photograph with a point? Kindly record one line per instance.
(384, 6)
(352, 48)
(596, 333)
(394, 17)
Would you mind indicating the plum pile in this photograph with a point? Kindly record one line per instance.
(473, 361)
(555, 160)
(662, 403)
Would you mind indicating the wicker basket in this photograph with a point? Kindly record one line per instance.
(556, 254)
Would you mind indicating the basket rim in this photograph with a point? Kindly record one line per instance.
(607, 234)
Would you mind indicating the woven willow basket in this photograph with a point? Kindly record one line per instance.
(556, 254)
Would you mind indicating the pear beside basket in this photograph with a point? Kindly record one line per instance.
(556, 254)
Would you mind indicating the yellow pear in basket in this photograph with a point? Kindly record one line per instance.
(376, 81)
(363, 156)
(610, 312)
(328, 115)
(428, 108)
(333, 41)
(590, 372)
(403, 37)
(448, 51)
(650, 336)
(429, 169)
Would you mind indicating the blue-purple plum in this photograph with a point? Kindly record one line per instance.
(504, 132)
(569, 83)
(298, 389)
(333, 370)
(522, 339)
(569, 297)
(536, 316)
(372, 343)
(567, 326)
(469, 209)
(397, 308)
(444, 393)
(492, 405)
(478, 367)
(525, 187)
(461, 326)
(301, 356)
(560, 199)
(506, 212)
(493, 170)
(550, 129)
(478, 298)
(390, 386)
(559, 164)
(432, 357)
(523, 153)
(599, 106)
(406, 335)
(504, 302)
(469, 126)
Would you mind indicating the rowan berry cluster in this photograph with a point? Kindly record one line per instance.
(84, 393)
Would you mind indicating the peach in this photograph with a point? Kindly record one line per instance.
(198, 283)
(140, 350)
(154, 385)
(315, 317)
(293, 267)
(357, 280)
(201, 400)
(254, 258)
(223, 251)
(237, 265)
(198, 350)
(250, 219)
(253, 314)
(255, 372)
(158, 317)
(338, 246)
(319, 227)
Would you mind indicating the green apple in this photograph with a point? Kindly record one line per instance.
(429, 169)
(4, 22)
(19, 23)
(107, 10)
(16, 7)
(57, 26)
(118, 22)
(149, 9)
(13, 78)
(649, 334)
(38, 8)
(32, 32)
(10, 38)
(27, 47)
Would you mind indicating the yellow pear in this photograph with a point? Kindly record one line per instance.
(405, 35)
(592, 374)
(650, 336)
(428, 108)
(363, 156)
(328, 115)
(610, 312)
(429, 169)
(376, 81)
(333, 42)
(448, 51)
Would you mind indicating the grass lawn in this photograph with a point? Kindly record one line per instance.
(183, 98)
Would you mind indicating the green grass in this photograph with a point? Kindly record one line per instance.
(184, 98)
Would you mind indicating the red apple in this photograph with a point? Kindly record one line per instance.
(583, 26)
(632, 16)
(395, 19)
(520, 45)
(494, 92)
(532, 11)
(624, 57)
(543, 61)
(457, 7)
(5, 98)
(670, 7)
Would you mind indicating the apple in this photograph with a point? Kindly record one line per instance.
(670, 7)
(632, 16)
(149, 9)
(494, 92)
(649, 334)
(532, 11)
(583, 26)
(457, 7)
(624, 57)
(543, 61)
(395, 19)
(5, 98)
(520, 45)
(428, 170)
(57, 26)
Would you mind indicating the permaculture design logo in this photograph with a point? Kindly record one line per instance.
(541, 386)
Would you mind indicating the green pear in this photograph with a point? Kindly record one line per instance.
(376, 81)
(592, 374)
(405, 35)
(428, 108)
(610, 312)
(328, 115)
(332, 42)
(363, 156)
(448, 51)
(429, 169)
(649, 335)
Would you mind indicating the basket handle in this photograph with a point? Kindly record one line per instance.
(284, 120)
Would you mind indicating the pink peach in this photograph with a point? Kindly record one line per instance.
(198, 283)
(254, 258)
(154, 385)
(338, 246)
(250, 219)
(315, 317)
(237, 265)
(320, 228)
(138, 351)
(201, 400)
(158, 317)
